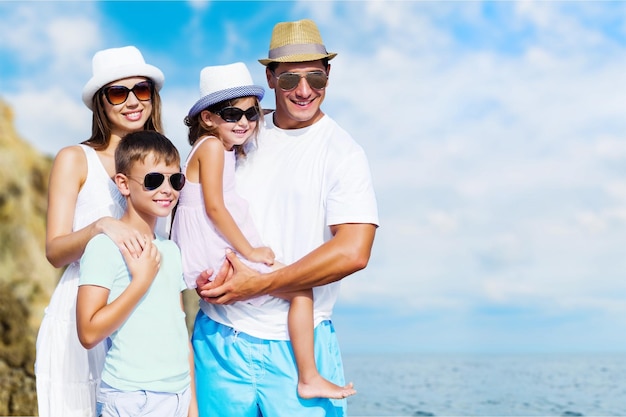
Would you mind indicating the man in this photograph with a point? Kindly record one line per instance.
(310, 194)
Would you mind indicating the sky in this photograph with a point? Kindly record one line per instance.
(495, 133)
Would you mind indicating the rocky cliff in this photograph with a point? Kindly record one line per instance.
(26, 278)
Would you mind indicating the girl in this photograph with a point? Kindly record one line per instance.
(83, 201)
(211, 217)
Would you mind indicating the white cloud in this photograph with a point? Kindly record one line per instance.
(70, 40)
(51, 118)
(517, 142)
(51, 44)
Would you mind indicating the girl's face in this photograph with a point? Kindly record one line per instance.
(130, 114)
(233, 132)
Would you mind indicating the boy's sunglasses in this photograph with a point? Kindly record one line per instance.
(234, 114)
(153, 180)
(289, 80)
(117, 94)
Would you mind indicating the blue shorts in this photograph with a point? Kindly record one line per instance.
(113, 403)
(244, 376)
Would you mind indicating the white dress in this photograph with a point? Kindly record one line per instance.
(67, 374)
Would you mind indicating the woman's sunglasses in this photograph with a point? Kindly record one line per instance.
(234, 114)
(117, 94)
(289, 80)
(153, 180)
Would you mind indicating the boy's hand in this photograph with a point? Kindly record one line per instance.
(144, 268)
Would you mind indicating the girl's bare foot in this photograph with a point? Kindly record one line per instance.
(318, 387)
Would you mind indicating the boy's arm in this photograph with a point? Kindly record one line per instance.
(95, 319)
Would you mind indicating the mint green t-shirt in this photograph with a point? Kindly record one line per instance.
(150, 350)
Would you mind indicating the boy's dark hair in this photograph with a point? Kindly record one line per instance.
(137, 146)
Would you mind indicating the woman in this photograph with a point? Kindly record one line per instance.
(83, 201)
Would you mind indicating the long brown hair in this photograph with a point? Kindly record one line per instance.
(101, 126)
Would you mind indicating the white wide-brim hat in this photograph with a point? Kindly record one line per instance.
(225, 82)
(115, 64)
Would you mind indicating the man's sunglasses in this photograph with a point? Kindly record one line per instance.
(289, 80)
(234, 114)
(153, 180)
(117, 94)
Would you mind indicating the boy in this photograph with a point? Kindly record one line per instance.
(136, 301)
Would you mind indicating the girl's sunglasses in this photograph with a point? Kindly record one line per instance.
(287, 81)
(117, 94)
(153, 180)
(234, 114)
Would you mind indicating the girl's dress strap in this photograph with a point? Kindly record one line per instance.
(196, 146)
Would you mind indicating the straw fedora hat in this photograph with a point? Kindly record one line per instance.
(298, 41)
(114, 64)
(224, 82)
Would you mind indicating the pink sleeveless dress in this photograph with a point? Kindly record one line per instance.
(201, 244)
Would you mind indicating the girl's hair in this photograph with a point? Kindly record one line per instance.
(198, 128)
(137, 146)
(101, 126)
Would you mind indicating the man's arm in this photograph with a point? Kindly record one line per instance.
(345, 253)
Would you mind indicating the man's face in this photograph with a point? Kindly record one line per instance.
(300, 106)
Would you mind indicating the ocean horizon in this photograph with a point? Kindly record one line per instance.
(517, 385)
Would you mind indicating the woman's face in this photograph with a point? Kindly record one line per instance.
(131, 114)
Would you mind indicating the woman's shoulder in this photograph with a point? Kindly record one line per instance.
(74, 155)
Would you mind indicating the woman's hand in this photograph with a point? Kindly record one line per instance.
(123, 235)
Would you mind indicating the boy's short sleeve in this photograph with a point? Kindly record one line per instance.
(100, 262)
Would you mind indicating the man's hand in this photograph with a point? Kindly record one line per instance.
(237, 283)
(204, 282)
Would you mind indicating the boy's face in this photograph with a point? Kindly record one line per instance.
(158, 201)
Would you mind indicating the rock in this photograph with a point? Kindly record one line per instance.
(26, 278)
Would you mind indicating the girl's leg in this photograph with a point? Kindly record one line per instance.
(300, 322)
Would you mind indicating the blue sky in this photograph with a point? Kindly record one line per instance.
(495, 131)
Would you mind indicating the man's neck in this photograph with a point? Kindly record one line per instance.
(286, 123)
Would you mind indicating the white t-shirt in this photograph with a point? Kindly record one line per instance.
(298, 183)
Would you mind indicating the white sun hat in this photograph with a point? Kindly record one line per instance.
(224, 82)
(115, 64)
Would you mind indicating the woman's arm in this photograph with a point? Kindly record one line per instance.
(95, 319)
(63, 246)
(211, 174)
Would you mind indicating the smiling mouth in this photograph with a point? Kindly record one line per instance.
(136, 115)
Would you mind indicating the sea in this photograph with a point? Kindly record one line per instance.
(567, 385)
